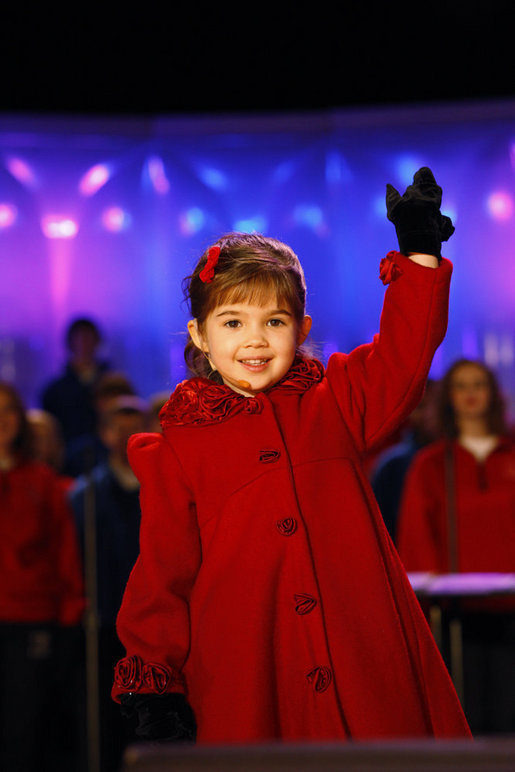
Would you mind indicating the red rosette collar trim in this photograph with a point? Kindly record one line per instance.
(199, 401)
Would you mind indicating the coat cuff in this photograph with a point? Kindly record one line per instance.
(132, 675)
(395, 264)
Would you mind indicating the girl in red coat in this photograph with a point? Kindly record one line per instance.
(41, 592)
(267, 601)
(458, 514)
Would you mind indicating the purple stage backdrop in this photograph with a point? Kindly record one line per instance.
(105, 217)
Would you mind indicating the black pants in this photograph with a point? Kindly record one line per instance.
(488, 668)
(489, 672)
(27, 696)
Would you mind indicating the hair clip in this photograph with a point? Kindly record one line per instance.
(208, 272)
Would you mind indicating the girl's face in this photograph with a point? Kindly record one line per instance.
(9, 422)
(251, 346)
(470, 392)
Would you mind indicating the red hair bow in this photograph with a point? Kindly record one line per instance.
(208, 272)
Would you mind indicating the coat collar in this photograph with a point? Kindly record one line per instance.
(199, 401)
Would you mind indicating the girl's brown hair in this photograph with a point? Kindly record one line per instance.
(250, 268)
(22, 444)
(495, 418)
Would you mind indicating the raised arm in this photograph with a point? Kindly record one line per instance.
(378, 384)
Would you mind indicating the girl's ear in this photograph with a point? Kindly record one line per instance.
(304, 329)
(195, 335)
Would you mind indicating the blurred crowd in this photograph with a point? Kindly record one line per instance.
(64, 475)
(69, 520)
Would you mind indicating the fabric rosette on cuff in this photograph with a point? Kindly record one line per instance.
(388, 268)
(131, 674)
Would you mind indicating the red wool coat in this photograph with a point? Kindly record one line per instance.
(267, 588)
(485, 510)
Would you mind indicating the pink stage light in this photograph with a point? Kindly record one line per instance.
(500, 205)
(59, 227)
(8, 214)
(94, 179)
(157, 174)
(114, 219)
(21, 171)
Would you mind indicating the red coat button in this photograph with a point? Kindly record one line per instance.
(304, 603)
(269, 456)
(321, 678)
(287, 526)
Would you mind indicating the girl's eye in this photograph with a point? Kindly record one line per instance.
(275, 322)
(232, 323)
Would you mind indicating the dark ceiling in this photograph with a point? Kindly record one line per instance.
(246, 59)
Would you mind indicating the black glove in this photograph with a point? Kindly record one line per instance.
(419, 225)
(161, 716)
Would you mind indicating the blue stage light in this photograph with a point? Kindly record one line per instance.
(257, 224)
(379, 207)
(337, 170)
(192, 221)
(406, 167)
(213, 178)
(283, 172)
(308, 214)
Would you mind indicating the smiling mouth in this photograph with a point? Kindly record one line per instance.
(255, 364)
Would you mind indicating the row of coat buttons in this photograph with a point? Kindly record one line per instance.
(320, 677)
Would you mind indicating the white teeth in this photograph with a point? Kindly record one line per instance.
(254, 361)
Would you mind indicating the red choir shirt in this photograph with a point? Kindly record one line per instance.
(267, 588)
(40, 568)
(484, 504)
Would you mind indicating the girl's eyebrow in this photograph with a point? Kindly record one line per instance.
(239, 312)
(231, 312)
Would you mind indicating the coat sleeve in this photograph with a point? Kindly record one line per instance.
(421, 543)
(153, 621)
(378, 384)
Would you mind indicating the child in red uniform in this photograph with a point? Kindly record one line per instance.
(41, 597)
(267, 601)
(457, 514)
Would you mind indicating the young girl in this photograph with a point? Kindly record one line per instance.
(267, 601)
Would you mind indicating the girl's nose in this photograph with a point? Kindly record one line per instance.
(256, 337)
